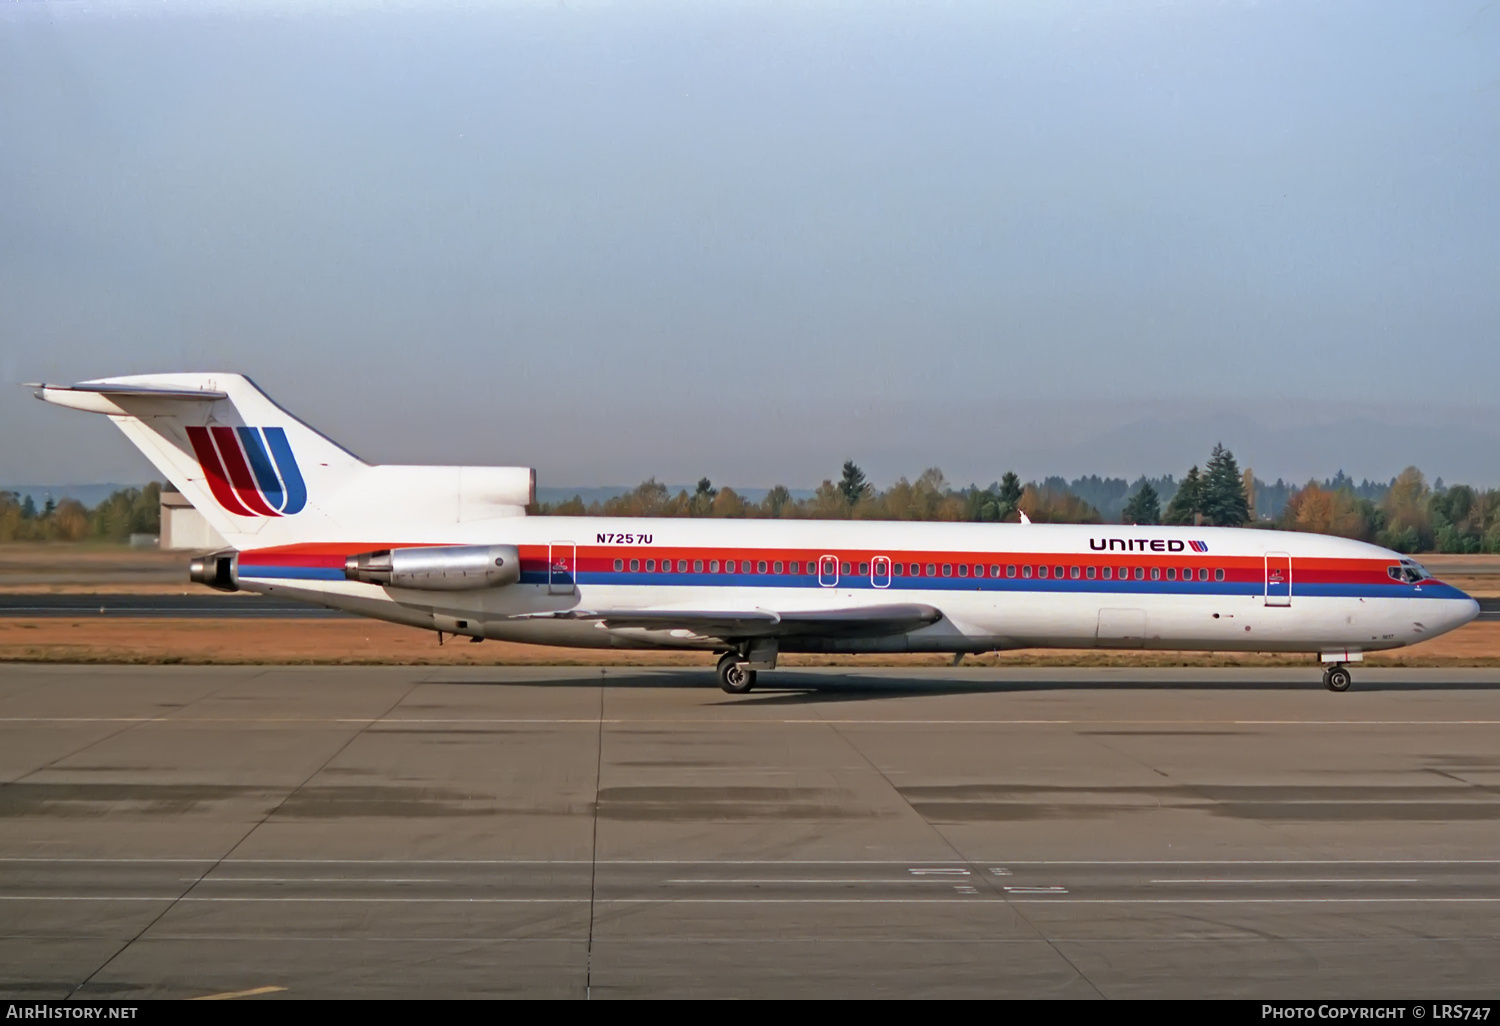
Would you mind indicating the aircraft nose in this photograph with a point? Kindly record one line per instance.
(1469, 611)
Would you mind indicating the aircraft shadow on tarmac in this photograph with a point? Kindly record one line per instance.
(793, 688)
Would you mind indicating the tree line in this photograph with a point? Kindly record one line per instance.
(126, 512)
(1405, 514)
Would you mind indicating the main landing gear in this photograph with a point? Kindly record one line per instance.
(735, 676)
(1336, 678)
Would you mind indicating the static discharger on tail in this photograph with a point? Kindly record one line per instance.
(451, 549)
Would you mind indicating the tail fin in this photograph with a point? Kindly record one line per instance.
(254, 471)
(261, 477)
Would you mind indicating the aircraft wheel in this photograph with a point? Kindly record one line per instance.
(735, 677)
(1336, 678)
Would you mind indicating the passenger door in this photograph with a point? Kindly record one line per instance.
(880, 572)
(828, 571)
(1278, 579)
(562, 567)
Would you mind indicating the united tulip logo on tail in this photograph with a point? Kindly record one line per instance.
(251, 471)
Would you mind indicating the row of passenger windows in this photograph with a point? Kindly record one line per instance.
(732, 566)
(1025, 571)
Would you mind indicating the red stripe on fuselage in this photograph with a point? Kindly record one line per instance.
(239, 472)
(213, 471)
(600, 560)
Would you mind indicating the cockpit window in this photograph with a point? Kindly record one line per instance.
(1409, 572)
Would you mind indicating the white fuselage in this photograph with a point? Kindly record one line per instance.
(997, 585)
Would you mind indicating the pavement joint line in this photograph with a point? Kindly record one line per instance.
(767, 862)
(749, 721)
(186, 894)
(290, 899)
(958, 854)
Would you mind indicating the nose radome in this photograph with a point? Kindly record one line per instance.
(1470, 611)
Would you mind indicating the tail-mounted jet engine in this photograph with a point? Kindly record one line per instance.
(219, 570)
(438, 567)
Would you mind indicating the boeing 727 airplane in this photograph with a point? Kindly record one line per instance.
(450, 549)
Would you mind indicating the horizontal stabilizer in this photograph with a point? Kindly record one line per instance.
(127, 391)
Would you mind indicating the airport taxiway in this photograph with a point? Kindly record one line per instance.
(448, 832)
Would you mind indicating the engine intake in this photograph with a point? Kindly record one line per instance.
(438, 567)
(219, 570)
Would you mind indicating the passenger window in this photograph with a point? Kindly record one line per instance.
(1041, 571)
(1218, 575)
(635, 565)
(1140, 573)
(796, 566)
(778, 566)
(1203, 573)
(682, 566)
(898, 569)
(1010, 570)
(864, 569)
(1093, 572)
(650, 566)
(666, 566)
(713, 566)
(995, 570)
(1074, 572)
(916, 569)
(697, 566)
(1058, 572)
(947, 569)
(844, 569)
(1026, 570)
(760, 567)
(730, 566)
(619, 565)
(1171, 573)
(931, 569)
(963, 569)
(1156, 573)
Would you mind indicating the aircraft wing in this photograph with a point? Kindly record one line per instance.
(864, 621)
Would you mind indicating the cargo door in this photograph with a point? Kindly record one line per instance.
(1278, 579)
(562, 566)
(1121, 628)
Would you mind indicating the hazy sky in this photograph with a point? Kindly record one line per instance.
(750, 240)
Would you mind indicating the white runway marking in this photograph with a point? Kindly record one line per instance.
(1303, 880)
(824, 880)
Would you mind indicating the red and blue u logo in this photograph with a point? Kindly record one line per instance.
(251, 471)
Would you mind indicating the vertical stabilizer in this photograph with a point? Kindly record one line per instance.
(257, 474)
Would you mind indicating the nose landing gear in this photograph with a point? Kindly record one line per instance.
(735, 676)
(1337, 678)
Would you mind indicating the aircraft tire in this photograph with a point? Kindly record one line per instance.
(1336, 678)
(735, 677)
